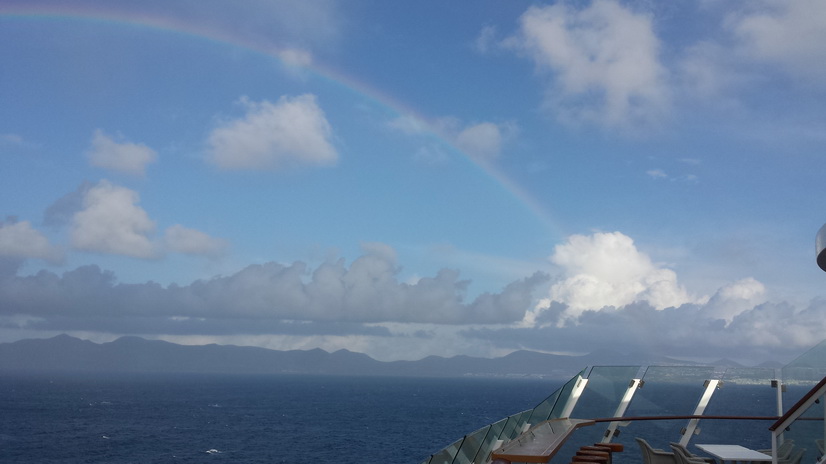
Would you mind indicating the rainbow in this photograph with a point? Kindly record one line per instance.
(288, 57)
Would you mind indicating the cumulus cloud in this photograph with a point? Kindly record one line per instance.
(734, 299)
(292, 132)
(60, 212)
(606, 269)
(785, 33)
(603, 62)
(710, 71)
(486, 40)
(660, 174)
(120, 156)
(766, 331)
(482, 141)
(295, 57)
(107, 218)
(409, 125)
(111, 221)
(657, 173)
(609, 294)
(21, 240)
(367, 291)
(180, 239)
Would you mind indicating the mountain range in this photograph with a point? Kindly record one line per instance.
(133, 354)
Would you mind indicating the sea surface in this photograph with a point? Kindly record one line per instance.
(177, 418)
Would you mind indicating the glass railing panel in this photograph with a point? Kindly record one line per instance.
(545, 410)
(491, 439)
(744, 391)
(523, 422)
(542, 411)
(470, 446)
(669, 391)
(513, 425)
(803, 373)
(666, 391)
(446, 455)
(564, 396)
(807, 433)
(605, 389)
(607, 385)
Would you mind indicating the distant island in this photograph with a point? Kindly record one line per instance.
(136, 355)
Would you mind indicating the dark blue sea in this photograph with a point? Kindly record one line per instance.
(94, 418)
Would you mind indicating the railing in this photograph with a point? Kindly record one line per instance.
(667, 404)
(802, 425)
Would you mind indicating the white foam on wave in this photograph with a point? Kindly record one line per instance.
(213, 451)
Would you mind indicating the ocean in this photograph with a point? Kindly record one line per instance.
(188, 418)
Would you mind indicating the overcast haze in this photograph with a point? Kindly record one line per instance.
(406, 179)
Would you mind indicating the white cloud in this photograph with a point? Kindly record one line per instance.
(106, 218)
(486, 39)
(125, 157)
(482, 141)
(21, 240)
(261, 297)
(181, 239)
(657, 173)
(632, 302)
(734, 299)
(409, 125)
(291, 132)
(603, 59)
(710, 71)
(660, 174)
(789, 33)
(295, 57)
(606, 269)
(112, 222)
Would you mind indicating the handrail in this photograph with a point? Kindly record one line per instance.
(690, 416)
(793, 411)
(793, 414)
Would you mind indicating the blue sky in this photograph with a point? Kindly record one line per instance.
(414, 178)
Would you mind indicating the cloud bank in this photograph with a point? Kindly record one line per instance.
(367, 291)
(607, 293)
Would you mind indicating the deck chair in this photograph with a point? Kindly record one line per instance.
(784, 451)
(682, 458)
(652, 455)
(795, 457)
(691, 455)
